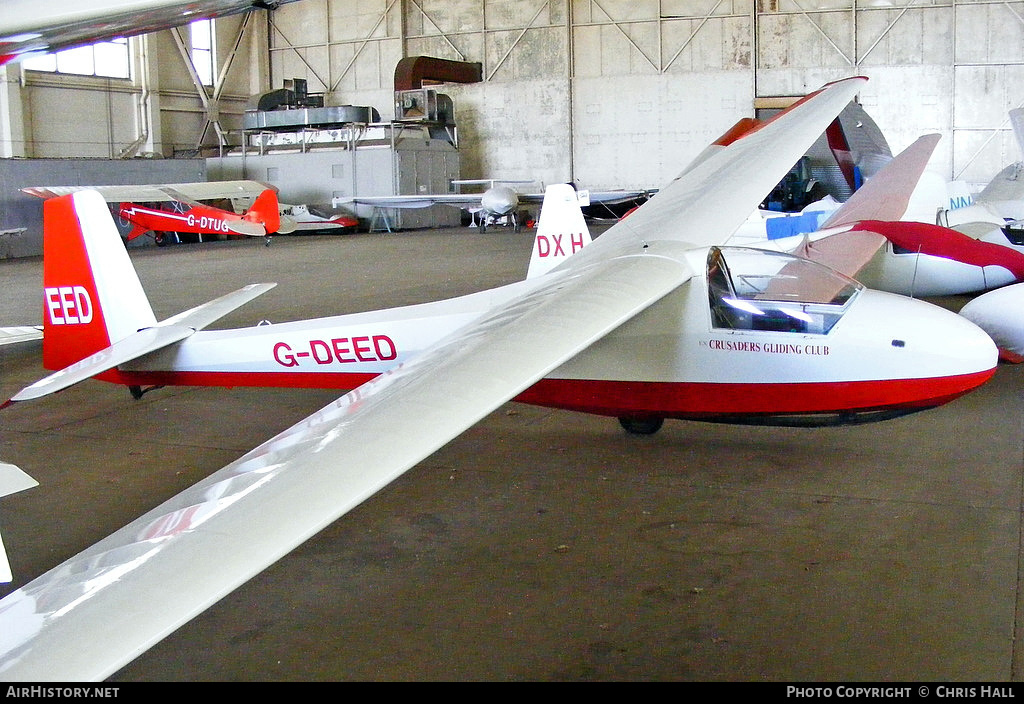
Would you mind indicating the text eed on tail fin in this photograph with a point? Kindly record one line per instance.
(92, 296)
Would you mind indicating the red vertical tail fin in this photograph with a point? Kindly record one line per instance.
(266, 211)
(92, 296)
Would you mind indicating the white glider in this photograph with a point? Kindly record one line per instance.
(653, 319)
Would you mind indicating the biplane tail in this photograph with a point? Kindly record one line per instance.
(266, 211)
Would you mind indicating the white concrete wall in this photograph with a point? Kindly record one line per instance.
(608, 92)
(82, 116)
(625, 92)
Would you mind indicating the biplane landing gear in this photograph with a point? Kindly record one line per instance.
(641, 426)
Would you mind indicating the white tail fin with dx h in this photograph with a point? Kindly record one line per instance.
(561, 231)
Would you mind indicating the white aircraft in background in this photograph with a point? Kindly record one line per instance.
(499, 202)
(31, 27)
(993, 219)
(1000, 313)
(886, 235)
(654, 319)
(1004, 194)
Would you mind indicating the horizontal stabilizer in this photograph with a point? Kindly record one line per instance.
(21, 333)
(12, 480)
(199, 317)
(131, 347)
(287, 225)
(143, 342)
(244, 227)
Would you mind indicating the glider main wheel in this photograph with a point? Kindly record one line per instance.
(641, 426)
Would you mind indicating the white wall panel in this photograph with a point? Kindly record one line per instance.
(804, 40)
(580, 88)
(513, 130)
(648, 138)
(983, 141)
(88, 122)
(990, 33)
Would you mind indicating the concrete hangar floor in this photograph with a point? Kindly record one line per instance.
(540, 545)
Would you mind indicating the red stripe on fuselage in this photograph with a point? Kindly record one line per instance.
(279, 380)
(692, 400)
(708, 400)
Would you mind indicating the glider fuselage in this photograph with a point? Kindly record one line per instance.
(882, 355)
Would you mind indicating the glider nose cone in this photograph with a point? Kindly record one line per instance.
(940, 354)
(954, 340)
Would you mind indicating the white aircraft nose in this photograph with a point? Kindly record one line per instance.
(998, 313)
(499, 200)
(935, 350)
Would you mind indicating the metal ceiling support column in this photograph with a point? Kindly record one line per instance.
(209, 106)
(570, 75)
(218, 86)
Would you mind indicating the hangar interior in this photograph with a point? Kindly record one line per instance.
(541, 545)
(569, 90)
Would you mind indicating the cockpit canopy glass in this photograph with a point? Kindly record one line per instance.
(754, 289)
